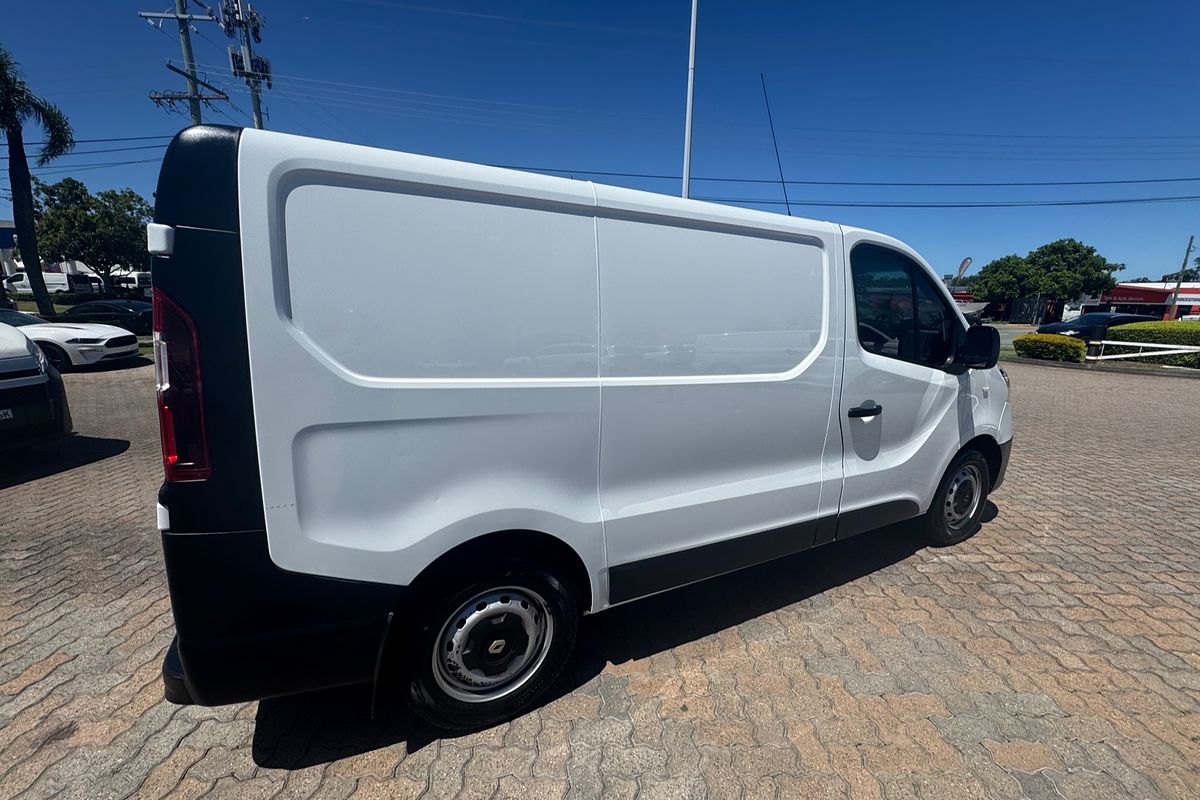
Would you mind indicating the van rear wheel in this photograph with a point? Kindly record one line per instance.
(958, 506)
(486, 652)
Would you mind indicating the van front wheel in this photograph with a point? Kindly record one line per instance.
(487, 652)
(961, 497)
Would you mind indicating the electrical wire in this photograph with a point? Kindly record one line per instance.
(97, 141)
(106, 150)
(997, 204)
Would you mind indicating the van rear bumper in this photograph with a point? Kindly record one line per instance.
(246, 630)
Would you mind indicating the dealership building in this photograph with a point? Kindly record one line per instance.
(1152, 299)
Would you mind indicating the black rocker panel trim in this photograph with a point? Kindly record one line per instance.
(648, 576)
(861, 520)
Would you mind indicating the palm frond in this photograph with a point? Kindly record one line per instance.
(60, 139)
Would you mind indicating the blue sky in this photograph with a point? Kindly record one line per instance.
(886, 92)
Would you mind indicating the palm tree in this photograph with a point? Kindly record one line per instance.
(18, 105)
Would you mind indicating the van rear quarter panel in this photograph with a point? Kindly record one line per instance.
(397, 307)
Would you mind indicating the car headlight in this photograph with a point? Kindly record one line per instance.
(38, 356)
(85, 341)
(1007, 380)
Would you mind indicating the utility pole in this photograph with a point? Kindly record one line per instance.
(1179, 280)
(193, 95)
(189, 62)
(687, 125)
(238, 15)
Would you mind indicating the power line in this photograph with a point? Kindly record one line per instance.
(97, 141)
(99, 165)
(997, 204)
(106, 150)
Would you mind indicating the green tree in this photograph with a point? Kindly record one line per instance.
(1069, 269)
(18, 106)
(1058, 271)
(1005, 279)
(104, 230)
(1189, 274)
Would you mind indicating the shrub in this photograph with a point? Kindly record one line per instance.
(1177, 332)
(1049, 347)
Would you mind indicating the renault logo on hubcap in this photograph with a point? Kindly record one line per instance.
(495, 647)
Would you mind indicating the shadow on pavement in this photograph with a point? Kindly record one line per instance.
(319, 727)
(112, 366)
(51, 458)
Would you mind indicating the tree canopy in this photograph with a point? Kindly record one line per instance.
(1063, 270)
(104, 230)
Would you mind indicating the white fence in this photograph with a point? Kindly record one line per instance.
(1097, 348)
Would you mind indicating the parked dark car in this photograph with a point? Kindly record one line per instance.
(1093, 325)
(132, 315)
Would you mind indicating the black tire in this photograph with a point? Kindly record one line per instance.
(57, 357)
(436, 692)
(958, 506)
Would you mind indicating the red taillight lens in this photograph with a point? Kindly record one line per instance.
(180, 395)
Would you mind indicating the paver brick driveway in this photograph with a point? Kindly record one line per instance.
(1057, 653)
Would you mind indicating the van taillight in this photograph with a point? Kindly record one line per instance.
(180, 392)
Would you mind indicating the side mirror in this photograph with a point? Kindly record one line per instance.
(980, 348)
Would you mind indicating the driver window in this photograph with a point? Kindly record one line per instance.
(900, 312)
(883, 299)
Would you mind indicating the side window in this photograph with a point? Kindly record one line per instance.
(901, 314)
(883, 300)
(935, 323)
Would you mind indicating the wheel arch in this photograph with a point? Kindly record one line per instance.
(989, 448)
(49, 344)
(545, 548)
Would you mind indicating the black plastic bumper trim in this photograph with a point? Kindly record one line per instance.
(1005, 452)
(246, 629)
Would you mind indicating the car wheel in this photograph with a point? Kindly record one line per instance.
(958, 506)
(57, 357)
(485, 652)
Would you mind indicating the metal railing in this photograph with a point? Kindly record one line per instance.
(1095, 351)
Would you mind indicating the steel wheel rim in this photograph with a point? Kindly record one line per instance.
(963, 496)
(493, 644)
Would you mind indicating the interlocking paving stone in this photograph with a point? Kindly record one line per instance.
(1055, 654)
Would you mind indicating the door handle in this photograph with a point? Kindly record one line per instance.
(865, 411)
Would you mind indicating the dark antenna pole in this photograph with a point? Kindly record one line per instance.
(778, 163)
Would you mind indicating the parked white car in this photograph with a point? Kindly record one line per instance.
(33, 402)
(75, 344)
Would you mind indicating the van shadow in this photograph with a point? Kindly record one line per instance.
(51, 458)
(320, 727)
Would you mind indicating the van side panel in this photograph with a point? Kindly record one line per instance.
(718, 379)
(442, 323)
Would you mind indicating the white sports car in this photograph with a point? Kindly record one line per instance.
(73, 344)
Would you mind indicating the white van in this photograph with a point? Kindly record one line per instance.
(56, 282)
(565, 396)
